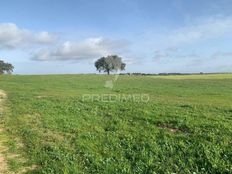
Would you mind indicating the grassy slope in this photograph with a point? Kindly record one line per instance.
(184, 128)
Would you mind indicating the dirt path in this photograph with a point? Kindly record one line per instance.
(3, 163)
(4, 153)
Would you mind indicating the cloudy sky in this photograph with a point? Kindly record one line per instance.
(152, 36)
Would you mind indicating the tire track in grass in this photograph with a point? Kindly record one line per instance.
(5, 155)
(3, 161)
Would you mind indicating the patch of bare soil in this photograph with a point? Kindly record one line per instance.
(170, 128)
(40, 96)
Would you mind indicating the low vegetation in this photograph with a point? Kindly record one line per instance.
(186, 127)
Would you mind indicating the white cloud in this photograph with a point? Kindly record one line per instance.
(90, 48)
(171, 54)
(163, 54)
(44, 37)
(13, 37)
(205, 29)
(222, 54)
(190, 41)
(193, 33)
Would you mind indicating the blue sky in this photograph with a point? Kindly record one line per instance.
(152, 36)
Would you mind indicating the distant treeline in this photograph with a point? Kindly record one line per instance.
(164, 74)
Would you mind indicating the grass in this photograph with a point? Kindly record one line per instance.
(196, 76)
(185, 127)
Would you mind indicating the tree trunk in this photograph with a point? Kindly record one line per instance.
(108, 71)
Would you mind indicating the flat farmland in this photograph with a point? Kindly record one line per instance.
(63, 126)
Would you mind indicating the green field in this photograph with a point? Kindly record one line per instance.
(186, 127)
